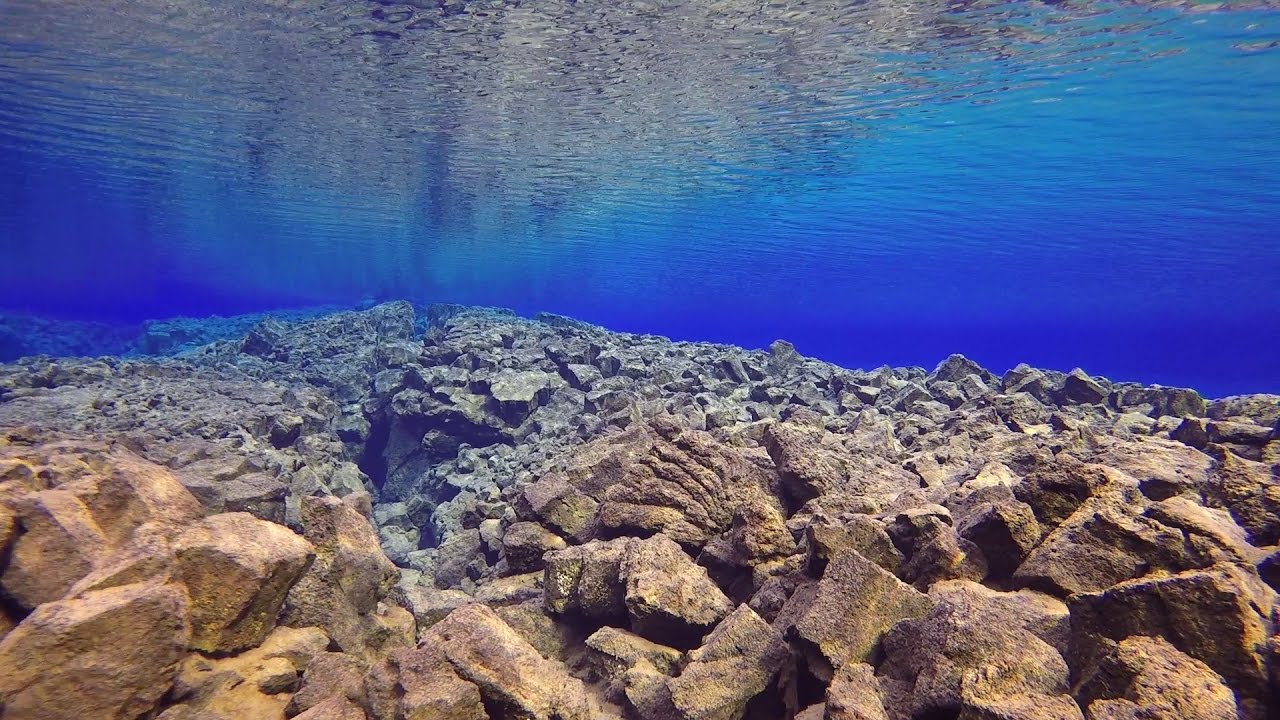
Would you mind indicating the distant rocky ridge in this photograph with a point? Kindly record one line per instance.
(460, 513)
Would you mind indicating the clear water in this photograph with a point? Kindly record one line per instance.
(1067, 184)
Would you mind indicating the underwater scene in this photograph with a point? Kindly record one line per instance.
(639, 360)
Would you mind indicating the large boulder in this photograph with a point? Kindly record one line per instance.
(1105, 542)
(855, 603)
(480, 649)
(977, 650)
(650, 584)
(342, 590)
(256, 683)
(109, 654)
(1152, 674)
(1219, 616)
(669, 599)
(100, 497)
(238, 570)
(737, 662)
(583, 580)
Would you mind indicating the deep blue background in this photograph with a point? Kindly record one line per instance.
(1122, 216)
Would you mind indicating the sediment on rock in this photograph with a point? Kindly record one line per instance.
(460, 513)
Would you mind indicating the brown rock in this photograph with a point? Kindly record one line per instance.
(859, 532)
(1103, 544)
(329, 675)
(420, 684)
(108, 654)
(669, 599)
(979, 650)
(237, 570)
(1252, 494)
(611, 652)
(334, 708)
(854, 694)
(855, 603)
(938, 553)
(556, 504)
(1152, 673)
(59, 543)
(1215, 616)
(524, 544)
(796, 450)
(738, 661)
(256, 683)
(484, 651)
(129, 492)
(584, 579)
(341, 590)
(1004, 532)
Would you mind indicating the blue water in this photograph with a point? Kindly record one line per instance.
(1066, 184)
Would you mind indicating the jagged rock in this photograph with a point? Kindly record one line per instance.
(256, 683)
(459, 559)
(1259, 409)
(483, 650)
(854, 694)
(855, 603)
(669, 599)
(737, 661)
(1056, 490)
(107, 654)
(327, 677)
(430, 604)
(1078, 388)
(558, 505)
(934, 551)
(1101, 545)
(66, 531)
(584, 579)
(1005, 531)
(518, 394)
(524, 544)
(977, 652)
(662, 478)
(795, 450)
(860, 533)
(60, 544)
(237, 569)
(341, 590)
(555, 640)
(421, 684)
(611, 652)
(1152, 674)
(1157, 401)
(1219, 616)
(1252, 494)
(336, 708)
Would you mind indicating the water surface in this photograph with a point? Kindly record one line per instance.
(1063, 183)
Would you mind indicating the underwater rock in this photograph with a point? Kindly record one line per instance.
(578, 523)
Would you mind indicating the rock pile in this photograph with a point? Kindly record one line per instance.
(348, 517)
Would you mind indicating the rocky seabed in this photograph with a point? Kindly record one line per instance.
(458, 514)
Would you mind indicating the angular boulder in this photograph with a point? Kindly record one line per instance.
(237, 570)
(109, 654)
(1219, 616)
(669, 599)
(1153, 674)
(341, 590)
(737, 662)
(855, 603)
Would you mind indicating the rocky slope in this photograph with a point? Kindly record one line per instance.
(503, 518)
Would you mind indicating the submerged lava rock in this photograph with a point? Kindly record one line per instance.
(463, 514)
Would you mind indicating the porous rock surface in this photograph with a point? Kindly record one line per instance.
(456, 513)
